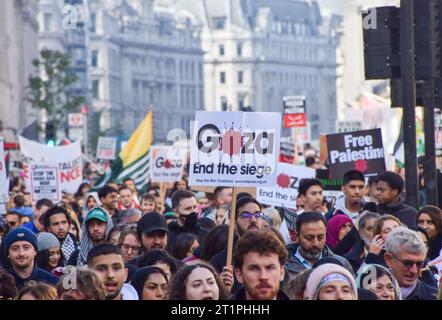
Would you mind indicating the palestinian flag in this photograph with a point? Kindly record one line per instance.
(133, 160)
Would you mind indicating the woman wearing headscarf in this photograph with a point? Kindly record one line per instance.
(337, 228)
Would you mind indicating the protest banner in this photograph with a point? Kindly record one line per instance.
(291, 218)
(359, 150)
(4, 194)
(207, 189)
(106, 148)
(294, 111)
(287, 183)
(243, 154)
(166, 163)
(348, 126)
(45, 182)
(332, 187)
(68, 159)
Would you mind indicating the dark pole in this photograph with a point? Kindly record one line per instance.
(430, 173)
(409, 98)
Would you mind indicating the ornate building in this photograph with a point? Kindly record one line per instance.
(257, 51)
(18, 47)
(144, 56)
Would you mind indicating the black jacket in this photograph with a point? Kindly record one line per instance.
(356, 256)
(435, 247)
(423, 292)
(241, 295)
(175, 230)
(37, 275)
(406, 214)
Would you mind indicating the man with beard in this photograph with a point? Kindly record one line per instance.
(94, 230)
(185, 207)
(41, 207)
(109, 200)
(57, 221)
(248, 217)
(259, 266)
(311, 233)
(20, 246)
(108, 262)
(153, 231)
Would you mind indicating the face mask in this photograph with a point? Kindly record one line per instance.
(190, 220)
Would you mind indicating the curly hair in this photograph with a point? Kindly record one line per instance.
(179, 281)
(263, 242)
(87, 282)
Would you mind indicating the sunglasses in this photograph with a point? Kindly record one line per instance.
(409, 264)
(249, 215)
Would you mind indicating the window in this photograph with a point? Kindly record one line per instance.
(223, 103)
(221, 50)
(47, 22)
(93, 23)
(94, 58)
(240, 76)
(239, 49)
(219, 22)
(96, 89)
(222, 77)
(241, 101)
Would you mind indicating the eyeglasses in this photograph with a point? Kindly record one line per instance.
(127, 247)
(249, 215)
(408, 263)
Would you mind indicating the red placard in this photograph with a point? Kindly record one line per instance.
(295, 120)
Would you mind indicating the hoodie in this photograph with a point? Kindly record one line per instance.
(406, 214)
(97, 200)
(340, 208)
(128, 292)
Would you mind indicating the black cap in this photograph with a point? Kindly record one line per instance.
(150, 222)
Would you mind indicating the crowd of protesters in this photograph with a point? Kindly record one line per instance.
(119, 244)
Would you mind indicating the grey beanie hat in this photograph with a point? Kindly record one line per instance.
(46, 240)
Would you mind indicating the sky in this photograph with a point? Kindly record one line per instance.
(335, 6)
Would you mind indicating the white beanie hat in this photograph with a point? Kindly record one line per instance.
(334, 272)
(46, 240)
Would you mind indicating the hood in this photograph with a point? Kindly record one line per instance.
(93, 195)
(371, 268)
(340, 205)
(128, 292)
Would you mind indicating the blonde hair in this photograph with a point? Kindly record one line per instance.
(274, 215)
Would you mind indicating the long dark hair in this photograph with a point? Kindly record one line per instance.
(43, 260)
(182, 245)
(214, 242)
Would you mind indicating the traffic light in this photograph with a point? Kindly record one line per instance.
(50, 133)
(382, 41)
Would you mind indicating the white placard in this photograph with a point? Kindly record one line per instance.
(166, 163)
(75, 120)
(286, 190)
(106, 148)
(68, 159)
(45, 182)
(4, 194)
(235, 149)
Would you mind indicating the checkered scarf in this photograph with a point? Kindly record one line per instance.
(86, 243)
(68, 246)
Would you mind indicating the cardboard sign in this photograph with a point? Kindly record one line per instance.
(166, 163)
(295, 120)
(106, 148)
(68, 159)
(332, 187)
(287, 183)
(348, 126)
(294, 111)
(235, 149)
(75, 120)
(359, 150)
(45, 182)
(4, 194)
(291, 218)
(287, 151)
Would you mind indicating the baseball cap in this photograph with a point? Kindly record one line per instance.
(150, 222)
(98, 214)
